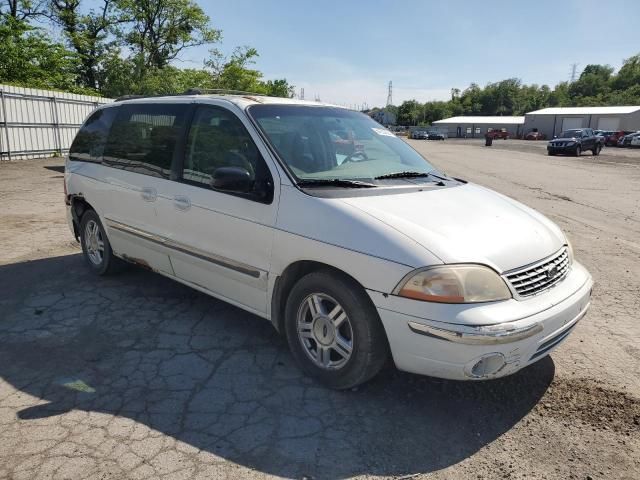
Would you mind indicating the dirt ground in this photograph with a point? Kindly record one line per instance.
(135, 376)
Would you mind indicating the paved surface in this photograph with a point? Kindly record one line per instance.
(135, 376)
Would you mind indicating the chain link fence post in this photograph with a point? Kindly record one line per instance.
(6, 125)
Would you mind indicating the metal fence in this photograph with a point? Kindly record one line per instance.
(38, 123)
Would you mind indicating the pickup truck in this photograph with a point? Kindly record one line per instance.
(576, 141)
(494, 134)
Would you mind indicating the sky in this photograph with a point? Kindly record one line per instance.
(347, 51)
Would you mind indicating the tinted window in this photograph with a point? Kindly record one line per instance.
(143, 138)
(217, 139)
(88, 146)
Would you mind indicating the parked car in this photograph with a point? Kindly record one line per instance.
(420, 135)
(494, 134)
(435, 135)
(535, 135)
(627, 140)
(612, 140)
(574, 142)
(353, 258)
(632, 140)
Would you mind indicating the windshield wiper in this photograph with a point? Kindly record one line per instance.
(410, 174)
(334, 182)
(403, 175)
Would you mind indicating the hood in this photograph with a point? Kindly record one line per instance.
(565, 139)
(467, 224)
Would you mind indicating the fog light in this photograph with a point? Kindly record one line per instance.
(485, 366)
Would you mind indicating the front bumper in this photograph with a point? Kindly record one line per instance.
(501, 337)
(562, 150)
(70, 221)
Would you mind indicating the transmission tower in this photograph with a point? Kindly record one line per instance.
(574, 68)
(390, 94)
(302, 94)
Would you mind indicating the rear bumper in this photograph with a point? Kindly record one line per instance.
(450, 350)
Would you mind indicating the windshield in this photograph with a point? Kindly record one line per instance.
(334, 143)
(571, 133)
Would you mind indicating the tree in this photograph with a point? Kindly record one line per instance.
(87, 34)
(593, 81)
(235, 73)
(23, 10)
(161, 29)
(629, 74)
(29, 58)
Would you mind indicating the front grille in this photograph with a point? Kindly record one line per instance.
(540, 276)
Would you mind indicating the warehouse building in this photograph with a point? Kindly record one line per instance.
(552, 121)
(477, 127)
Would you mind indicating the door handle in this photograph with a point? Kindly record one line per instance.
(149, 194)
(181, 202)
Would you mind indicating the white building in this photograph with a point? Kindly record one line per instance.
(477, 127)
(552, 121)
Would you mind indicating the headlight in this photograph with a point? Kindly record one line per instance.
(570, 250)
(454, 284)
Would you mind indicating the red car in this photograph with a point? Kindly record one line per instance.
(535, 135)
(498, 134)
(612, 140)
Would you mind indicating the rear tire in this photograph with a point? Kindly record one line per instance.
(596, 150)
(334, 331)
(96, 248)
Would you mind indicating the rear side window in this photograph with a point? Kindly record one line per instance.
(88, 146)
(143, 138)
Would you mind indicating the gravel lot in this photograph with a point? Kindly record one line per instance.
(135, 376)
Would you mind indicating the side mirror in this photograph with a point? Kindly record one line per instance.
(234, 179)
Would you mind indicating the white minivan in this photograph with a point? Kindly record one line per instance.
(325, 223)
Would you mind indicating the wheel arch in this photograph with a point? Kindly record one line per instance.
(79, 206)
(288, 278)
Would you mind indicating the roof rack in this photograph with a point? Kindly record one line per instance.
(193, 91)
(129, 97)
(219, 91)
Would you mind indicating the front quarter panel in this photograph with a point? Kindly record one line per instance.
(331, 232)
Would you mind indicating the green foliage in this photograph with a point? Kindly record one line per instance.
(120, 47)
(597, 85)
(29, 58)
(161, 29)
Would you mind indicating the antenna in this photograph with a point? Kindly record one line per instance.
(574, 67)
(390, 94)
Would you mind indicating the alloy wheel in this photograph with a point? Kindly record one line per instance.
(325, 331)
(93, 242)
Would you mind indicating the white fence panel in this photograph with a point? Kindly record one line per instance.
(38, 123)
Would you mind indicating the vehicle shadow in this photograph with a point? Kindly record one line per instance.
(140, 346)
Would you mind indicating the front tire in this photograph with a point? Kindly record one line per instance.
(334, 331)
(578, 151)
(596, 150)
(96, 248)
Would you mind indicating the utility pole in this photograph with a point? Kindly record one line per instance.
(302, 94)
(574, 68)
(390, 94)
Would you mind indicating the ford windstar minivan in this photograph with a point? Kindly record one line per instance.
(326, 224)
